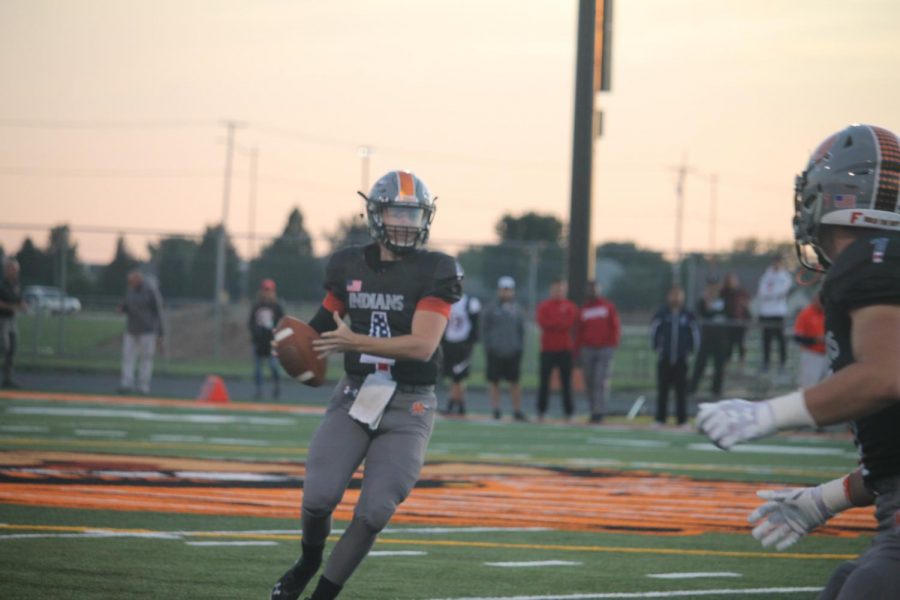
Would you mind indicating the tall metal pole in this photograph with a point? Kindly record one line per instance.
(219, 293)
(582, 153)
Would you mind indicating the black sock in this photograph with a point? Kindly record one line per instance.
(326, 590)
(311, 559)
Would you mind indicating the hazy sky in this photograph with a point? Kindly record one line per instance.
(475, 96)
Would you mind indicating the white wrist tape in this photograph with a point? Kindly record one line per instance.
(790, 411)
(834, 495)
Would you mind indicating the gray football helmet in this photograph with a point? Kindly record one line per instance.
(853, 180)
(400, 210)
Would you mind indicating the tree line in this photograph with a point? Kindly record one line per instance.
(529, 247)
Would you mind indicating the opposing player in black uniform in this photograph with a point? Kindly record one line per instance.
(847, 205)
(397, 297)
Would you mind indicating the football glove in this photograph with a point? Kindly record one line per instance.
(730, 422)
(790, 514)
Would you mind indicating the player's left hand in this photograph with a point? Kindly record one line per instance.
(337, 340)
(788, 515)
(731, 422)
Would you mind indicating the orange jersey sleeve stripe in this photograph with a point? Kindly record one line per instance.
(433, 304)
(332, 303)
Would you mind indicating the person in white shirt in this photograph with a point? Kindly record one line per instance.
(459, 339)
(772, 309)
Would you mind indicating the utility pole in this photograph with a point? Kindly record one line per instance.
(682, 172)
(365, 156)
(713, 200)
(251, 221)
(218, 298)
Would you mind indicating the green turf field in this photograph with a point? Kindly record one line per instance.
(127, 498)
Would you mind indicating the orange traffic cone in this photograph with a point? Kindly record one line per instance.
(213, 390)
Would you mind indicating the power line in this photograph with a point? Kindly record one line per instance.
(106, 123)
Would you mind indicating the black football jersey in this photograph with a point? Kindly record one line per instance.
(867, 273)
(381, 296)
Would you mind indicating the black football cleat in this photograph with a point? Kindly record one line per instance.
(291, 585)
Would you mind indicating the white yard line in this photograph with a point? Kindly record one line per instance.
(773, 449)
(116, 433)
(24, 429)
(244, 543)
(147, 415)
(533, 563)
(660, 594)
(397, 553)
(693, 575)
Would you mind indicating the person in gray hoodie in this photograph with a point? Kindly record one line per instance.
(143, 332)
(503, 335)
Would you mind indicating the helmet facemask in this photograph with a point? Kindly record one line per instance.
(807, 229)
(400, 211)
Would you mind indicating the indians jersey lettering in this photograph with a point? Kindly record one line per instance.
(867, 273)
(381, 298)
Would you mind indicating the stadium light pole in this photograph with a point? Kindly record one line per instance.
(582, 152)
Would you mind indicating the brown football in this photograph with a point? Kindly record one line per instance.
(293, 343)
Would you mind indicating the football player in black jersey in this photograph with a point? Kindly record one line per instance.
(847, 204)
(397, 296)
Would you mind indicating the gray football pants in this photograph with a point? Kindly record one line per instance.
(393, 454)
(876, 573)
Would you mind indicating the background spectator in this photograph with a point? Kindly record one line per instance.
(503, 335)
(714, 342)
(143, 332)
(457, 344)
(674, 335)
(809, 332)
(556, 316)
(10, 304)
(595, 345)
(264, 316)
(772, 293)
(737, 310)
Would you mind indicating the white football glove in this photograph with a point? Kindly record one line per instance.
(790, 514)
(729, 422)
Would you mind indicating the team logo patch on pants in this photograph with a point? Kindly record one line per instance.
(418, 409)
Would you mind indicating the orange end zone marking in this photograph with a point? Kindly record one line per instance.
(453, 494)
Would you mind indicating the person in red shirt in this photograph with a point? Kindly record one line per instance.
(556, 316)
(809, 332)
(596, 341)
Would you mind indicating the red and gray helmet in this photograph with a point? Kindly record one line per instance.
(405, 201)
(853, 180)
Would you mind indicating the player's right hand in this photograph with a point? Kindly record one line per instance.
(730, 422)
(788, 515)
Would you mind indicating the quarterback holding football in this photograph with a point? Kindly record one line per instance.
(847, 211)
(397, 297)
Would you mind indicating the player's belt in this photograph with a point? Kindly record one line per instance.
(409, 388)
(406, 388)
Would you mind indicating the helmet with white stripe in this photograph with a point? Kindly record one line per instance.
(852, 180)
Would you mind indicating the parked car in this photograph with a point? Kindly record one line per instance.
(44, 297)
